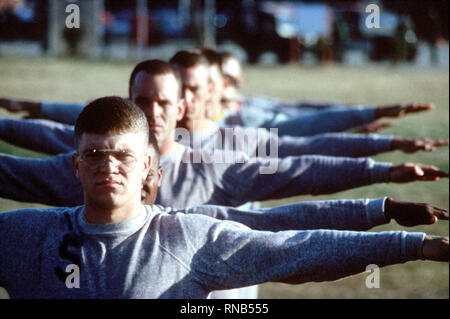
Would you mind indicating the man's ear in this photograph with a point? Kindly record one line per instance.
(148, 162)
(181, 109)
(147, 165)
(75, 165)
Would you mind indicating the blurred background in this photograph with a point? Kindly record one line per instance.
(308, 31)
(293, 50)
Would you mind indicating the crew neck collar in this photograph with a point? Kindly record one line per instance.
(121, 228)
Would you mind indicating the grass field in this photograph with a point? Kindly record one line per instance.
(66, 80)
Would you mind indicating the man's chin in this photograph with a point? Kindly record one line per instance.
(158, 130)
(106, 201)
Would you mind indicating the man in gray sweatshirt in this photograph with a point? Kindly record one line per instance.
(201, 89)
(303, 117)
(194, 177)
(292, 217)
(196, 131)
(361, 214)
(54, 138)
(115, 247)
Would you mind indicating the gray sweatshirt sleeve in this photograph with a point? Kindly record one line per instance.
(334, 144)
(261, 142)
(192, 254)
(301, 105)
(225, 251)
(39, 135)
(260, 180)
(328, 120)
(61, 112)
(49, 181)
(359, 214)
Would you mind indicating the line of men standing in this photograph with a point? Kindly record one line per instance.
(176, 94)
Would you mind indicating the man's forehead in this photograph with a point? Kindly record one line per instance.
(160, 84)
(195, 74)
(126, 140)
(232, 68)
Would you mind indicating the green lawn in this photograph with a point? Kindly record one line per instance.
(67, 80)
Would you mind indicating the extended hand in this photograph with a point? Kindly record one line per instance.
(411, 145)
(410, 172)
(402, 109)
(33, 109)
(413, 214)
(11, 105)
(435, 248)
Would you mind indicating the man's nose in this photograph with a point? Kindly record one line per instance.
(155, 110)
(109, 164)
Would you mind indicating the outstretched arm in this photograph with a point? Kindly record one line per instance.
(313, 175)
(259, 142)
(332, 144)
(393, 111)
(61, 112)
(57, 111)
(47, 181)
(265, 179)
(325, 121)
(352, 145)
(360, 214)
(39, 135)
(33, 109)
(301, 256)
(342, 119)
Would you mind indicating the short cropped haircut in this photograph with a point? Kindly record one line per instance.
(189, 58)
(154, 68)
(214, 57)
(111, 115)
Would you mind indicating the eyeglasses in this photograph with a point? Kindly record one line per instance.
(95, 158)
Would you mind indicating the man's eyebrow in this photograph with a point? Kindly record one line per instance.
(191, 87)
(141, 97)
(119, 149)
(155, 99)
